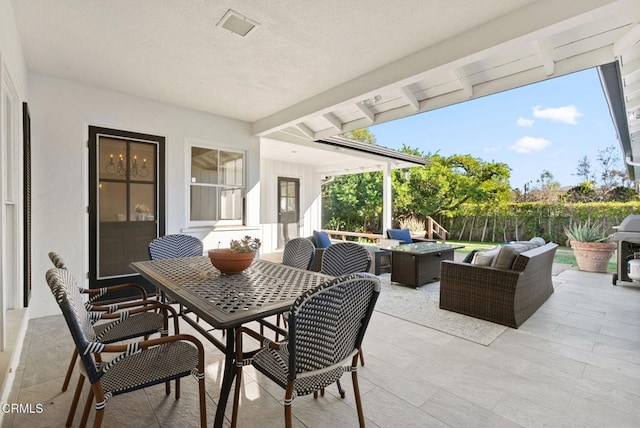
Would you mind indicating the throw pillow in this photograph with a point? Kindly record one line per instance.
(507, 255)
(401, 235)
(539, 241)
(469, 257)
(321, 238)
(485, 258)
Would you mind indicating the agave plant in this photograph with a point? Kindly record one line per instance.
(585, 232)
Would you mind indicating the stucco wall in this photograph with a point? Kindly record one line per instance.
(60, 114)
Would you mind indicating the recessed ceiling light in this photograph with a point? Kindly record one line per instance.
(237, 23)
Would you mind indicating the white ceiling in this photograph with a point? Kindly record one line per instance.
(306, 71)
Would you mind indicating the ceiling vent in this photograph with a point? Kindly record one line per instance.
(237, 23)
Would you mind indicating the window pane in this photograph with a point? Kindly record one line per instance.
(204, 203)
(143, 202)
(113, 201)
(204, 166)
(142, 162)
(231, 168)
(112, 158)
(231, 204)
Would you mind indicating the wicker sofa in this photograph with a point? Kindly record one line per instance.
(504, 296)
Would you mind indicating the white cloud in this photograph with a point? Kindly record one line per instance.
(524, 122)
(529, 144)
(566, 114)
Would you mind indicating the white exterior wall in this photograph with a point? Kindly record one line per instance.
(11, 56)
(310, 199)
(61, 112)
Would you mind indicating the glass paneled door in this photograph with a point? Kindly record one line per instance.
(288, 209)
(127, 202)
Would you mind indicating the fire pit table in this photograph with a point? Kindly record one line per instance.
(419, 263)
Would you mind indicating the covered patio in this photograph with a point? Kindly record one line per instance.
(303, 73)
(575, 362)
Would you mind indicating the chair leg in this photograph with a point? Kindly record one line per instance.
(288, 418)
(87, 409)
(236, 397)
(356, 392)
(340, 389)
(97, 420)
(76, 399)
(177, 389)
(203, 403)
(72, 364)
(361, 357)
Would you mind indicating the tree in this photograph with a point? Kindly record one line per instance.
(584, 170)
(446, 183)
(354, 201)
(609, 174)
(614, 183)
(363, 135)
(584, 192)
(546, 188)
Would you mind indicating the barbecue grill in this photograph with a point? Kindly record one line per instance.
(628, 239)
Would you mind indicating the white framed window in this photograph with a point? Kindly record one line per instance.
(216, 186)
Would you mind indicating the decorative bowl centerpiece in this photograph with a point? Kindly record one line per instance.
(237, 258)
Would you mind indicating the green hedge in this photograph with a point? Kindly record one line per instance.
(522, 221)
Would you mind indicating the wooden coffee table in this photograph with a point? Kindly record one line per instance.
(419, 263)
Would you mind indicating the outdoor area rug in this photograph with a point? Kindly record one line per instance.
(420, 306)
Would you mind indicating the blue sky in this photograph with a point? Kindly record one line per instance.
(549, 125)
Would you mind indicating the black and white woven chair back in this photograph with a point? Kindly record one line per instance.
(67, 294)
(344, 258)
(298, 253)
(57, 260)
(175, 246)
(327, 323)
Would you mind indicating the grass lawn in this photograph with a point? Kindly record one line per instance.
(564, 255)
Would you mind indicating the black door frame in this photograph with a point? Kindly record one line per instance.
(297, 181)
(26, 211)
(94, 131)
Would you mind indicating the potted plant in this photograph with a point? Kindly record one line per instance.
(237, 257)
(590, 246)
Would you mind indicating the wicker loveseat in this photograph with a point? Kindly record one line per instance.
(503, 296)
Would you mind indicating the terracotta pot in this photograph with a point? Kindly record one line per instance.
(593, 256)
(229, 263)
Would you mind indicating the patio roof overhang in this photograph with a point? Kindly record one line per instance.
(320, 70)
(539, 41)
(621, 84)
(333, 156)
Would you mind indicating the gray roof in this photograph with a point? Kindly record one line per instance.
(374, 149)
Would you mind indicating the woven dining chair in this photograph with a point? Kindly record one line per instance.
(298, 252)
(138, 365)
(321, 345)
(175, 246)
(344, 258)
(119, 326)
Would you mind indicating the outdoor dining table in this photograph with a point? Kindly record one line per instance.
(227, 301)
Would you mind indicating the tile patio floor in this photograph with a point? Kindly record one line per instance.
(575, 363)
